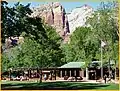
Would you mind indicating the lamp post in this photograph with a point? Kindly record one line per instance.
(101, 64)
(102, 45)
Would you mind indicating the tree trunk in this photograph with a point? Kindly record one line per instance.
(10, 74)
(55, 74)
(109, 69)
(115, 71)
(40, 76)
(50, 78)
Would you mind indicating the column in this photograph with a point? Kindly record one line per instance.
(70, 73)
(74, 72)
(61, 73)
(65, 72)
(83, 73)
(79, 73)
(87, 73)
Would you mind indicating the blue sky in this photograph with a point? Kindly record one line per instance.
(67, 5)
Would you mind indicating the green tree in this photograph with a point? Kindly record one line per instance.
(83, 46)
(33, 54)
(41, 47)
(13, 19)
(104, 23)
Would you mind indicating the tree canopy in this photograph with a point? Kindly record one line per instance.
(41, 47)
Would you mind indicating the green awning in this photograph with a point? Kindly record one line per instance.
(73, 65)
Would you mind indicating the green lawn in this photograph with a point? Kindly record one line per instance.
(24, 85)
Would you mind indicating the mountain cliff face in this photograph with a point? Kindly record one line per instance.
(78, 17)
(54, 15)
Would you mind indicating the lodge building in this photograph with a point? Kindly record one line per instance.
(70, 69)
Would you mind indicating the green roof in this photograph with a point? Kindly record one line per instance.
(73, 65)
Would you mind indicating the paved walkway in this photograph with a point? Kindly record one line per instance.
(83, 81)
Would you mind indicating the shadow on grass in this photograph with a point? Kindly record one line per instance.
(52, 86)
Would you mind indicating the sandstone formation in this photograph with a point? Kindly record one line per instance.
(53, 14)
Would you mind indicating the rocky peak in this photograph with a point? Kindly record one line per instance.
(87, 6)
(53, 14)
(78, 16)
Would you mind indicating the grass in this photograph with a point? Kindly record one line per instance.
(26, 85)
